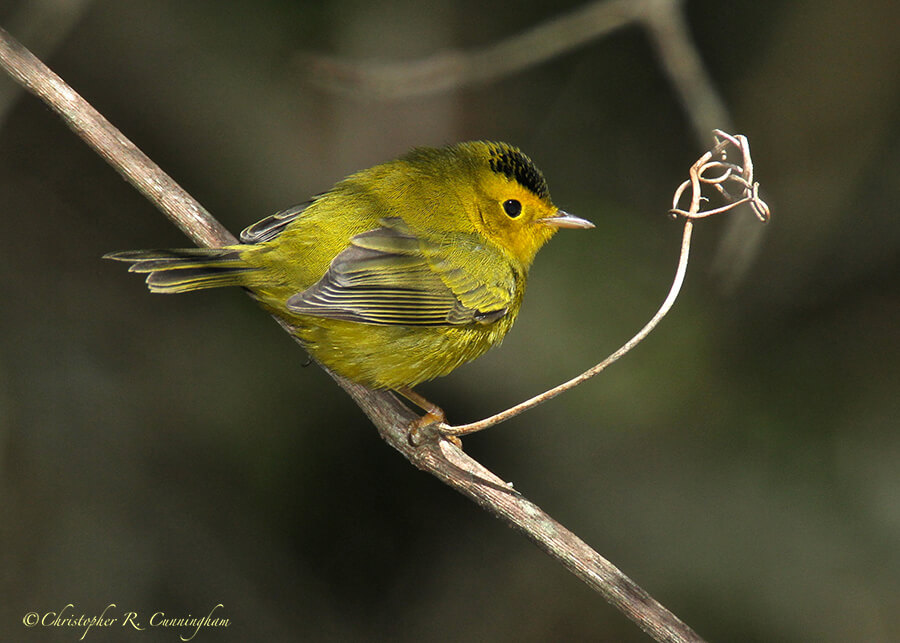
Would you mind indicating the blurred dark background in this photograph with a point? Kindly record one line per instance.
(172, 453)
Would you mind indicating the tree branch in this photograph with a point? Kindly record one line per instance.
(112, 145)
(447, 70)
(663, 20)
(436, 456)
(44, 24)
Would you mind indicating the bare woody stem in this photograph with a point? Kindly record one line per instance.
(465, 429)
(730, 174)
(662, 20)
(438, 457)
(112, 145)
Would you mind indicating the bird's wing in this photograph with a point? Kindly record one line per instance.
(270, 227)
(389, 276)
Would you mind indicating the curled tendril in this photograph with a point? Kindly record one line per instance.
(733, 181)
(712, 169)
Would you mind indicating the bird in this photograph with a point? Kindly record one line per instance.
(398, 274)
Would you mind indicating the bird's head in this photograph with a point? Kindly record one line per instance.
(512, 200)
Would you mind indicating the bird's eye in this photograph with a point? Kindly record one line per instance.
(512, 208)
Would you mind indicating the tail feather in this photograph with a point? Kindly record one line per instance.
(174, 271)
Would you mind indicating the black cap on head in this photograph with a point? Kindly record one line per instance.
(507, 160)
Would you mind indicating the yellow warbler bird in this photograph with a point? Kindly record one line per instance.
(398, 274)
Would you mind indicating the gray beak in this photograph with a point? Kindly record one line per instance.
(563, 219)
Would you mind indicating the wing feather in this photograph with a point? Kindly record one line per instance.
(272, 226)
(389, 276)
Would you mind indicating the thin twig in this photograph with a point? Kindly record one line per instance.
(740, 174)
(438, 457)
(663, 21)
(446, 70)
(464, 429)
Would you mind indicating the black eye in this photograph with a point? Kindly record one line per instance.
(512, 208)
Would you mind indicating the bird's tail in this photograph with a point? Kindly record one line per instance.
(173, 271)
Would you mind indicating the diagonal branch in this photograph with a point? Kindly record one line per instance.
(45, 24)
(145, 175)
(437, 456)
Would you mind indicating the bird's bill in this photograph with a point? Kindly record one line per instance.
(563, 219)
